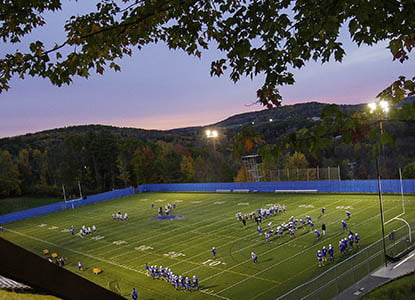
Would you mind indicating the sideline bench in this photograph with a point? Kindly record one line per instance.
(296, 191)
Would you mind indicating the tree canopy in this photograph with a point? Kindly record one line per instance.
(268, 37)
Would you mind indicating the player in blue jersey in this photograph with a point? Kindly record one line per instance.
(348, 214)
(317, 234)
(259, 230)
(292, 233)
(320, 258)
(323, 210)
(80, 266)
(254, 257)
(176, 281)
(181, 282)
(351, 241)
(187, 283)
(266, 237)
(303, 223)
(72, 230)
(324, 251)
(341, 246)
(195, 282)
(344, 225)
(134, 295)
(311, 224)
(214, 252)
(331, 252)
(356, 239)
(147, 269)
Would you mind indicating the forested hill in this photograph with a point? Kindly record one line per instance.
(103, 158)
(48, 138)
(44, 139)
(283, 113)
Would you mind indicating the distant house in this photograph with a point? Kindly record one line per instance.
(315, 119)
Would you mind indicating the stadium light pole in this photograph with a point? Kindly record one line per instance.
(213, 135)
(380, 110)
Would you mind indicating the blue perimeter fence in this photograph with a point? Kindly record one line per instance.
(47, 209)
(358, 186)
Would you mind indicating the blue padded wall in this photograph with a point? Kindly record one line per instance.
(356, 186)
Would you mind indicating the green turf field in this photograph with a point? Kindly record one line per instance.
(121, 249)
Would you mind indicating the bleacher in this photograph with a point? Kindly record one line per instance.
(297, 191)
(9, 284)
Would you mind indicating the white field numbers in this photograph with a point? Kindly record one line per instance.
(174, 254)
(144, 248)
(213, 262)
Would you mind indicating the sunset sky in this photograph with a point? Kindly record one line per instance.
(160, 88)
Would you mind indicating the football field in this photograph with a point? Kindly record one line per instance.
(205, 220)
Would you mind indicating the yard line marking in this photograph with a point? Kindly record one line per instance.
(75, 251)
(409, 257)
(213, 294)
(274, 286)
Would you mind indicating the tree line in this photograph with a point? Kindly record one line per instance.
(101, 158)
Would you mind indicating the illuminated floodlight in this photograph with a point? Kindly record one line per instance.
(372, 106)
(381, 106)
(253, 123)
(270, 120)
(384, 105)
(212, 133)
(208, 133)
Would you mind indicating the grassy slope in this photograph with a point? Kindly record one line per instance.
(208, 221)
(402, 288)
(6, 295)
(9, 205)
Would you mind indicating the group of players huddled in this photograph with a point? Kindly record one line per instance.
(322, 255)
(291, 226)
(84, 231)
(167, 209)
(261, 213)
(349, 242)
(119, 216)
(179, 282)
